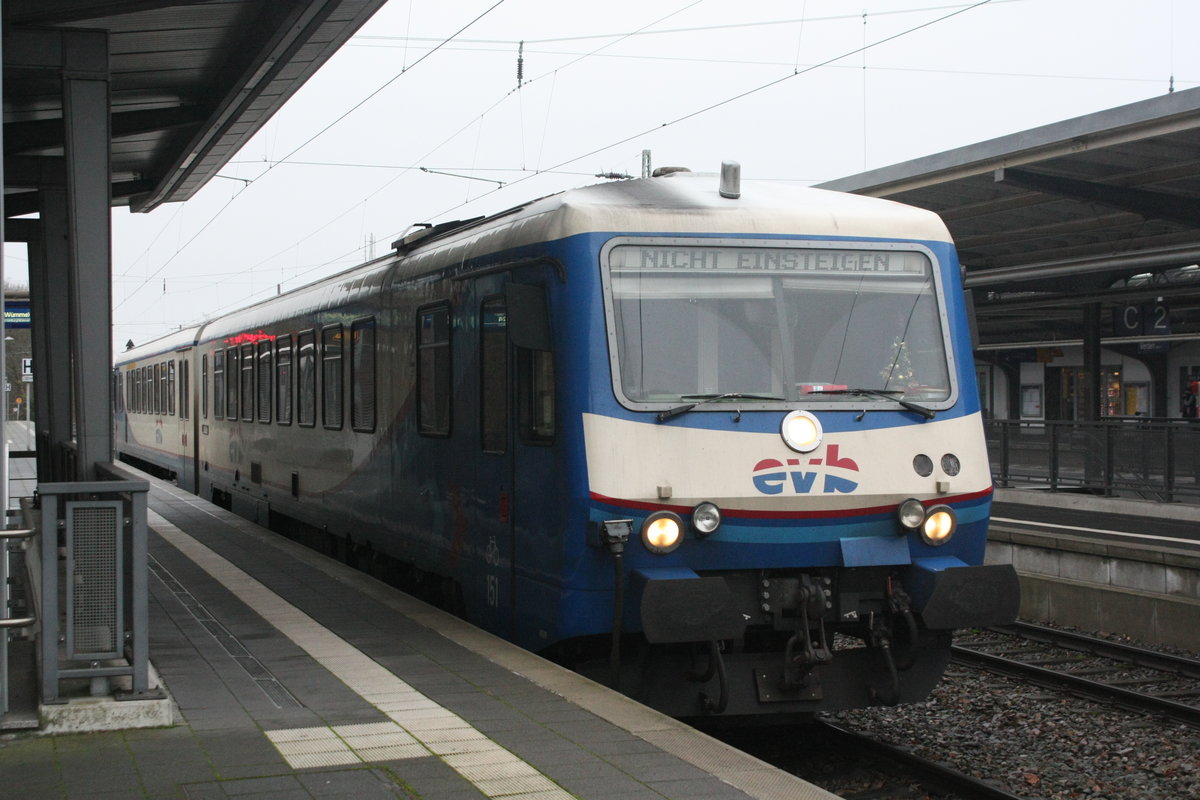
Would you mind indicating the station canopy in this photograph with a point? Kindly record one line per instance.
(190, 83)
(1103, 208)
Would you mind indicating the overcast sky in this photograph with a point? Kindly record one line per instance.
(803, 90)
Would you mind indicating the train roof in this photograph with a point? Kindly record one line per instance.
(685, 202)
(167, 343)
(681, 203)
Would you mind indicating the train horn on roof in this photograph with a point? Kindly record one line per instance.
(731, 179)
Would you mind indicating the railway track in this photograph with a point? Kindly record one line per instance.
(857, 766)
(1132, 677)
(928, 776)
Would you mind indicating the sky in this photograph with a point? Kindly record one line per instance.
(420, 118)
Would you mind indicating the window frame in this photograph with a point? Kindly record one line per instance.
(219, 390)
(233, 382)
(440, 429)
(311, 336)
(363, 378)
(246, 383)
(333, 414)
(494, 406)
(284, 380)
(264, 380)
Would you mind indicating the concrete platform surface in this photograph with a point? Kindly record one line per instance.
(294, 676)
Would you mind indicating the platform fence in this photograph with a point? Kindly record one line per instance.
(1153, 459)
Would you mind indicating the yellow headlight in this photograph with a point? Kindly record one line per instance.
(662, 532)
(939, 526)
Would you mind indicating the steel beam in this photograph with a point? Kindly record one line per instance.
(1148, 204)
(48, 259)
(86, 106)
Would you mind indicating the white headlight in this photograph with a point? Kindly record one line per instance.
(801, 431)
(706, 518)
(662, 532)
(911, 513)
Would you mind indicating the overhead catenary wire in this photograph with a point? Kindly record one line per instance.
(956, 11)
(287, 157)
(307, 142)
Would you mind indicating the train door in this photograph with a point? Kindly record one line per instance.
(512, 473)
(185, 419)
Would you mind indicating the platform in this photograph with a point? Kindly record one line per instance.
(294, 676)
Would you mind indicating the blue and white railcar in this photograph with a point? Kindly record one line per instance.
(722, 441)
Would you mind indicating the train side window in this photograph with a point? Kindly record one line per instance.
(171, 387)
(306, 389)
(160, 397)
(130, 386)
(248, 382)
(204, 386)
(283, 379)
(218, 385)
(231, 383)
(362, 375)
(493, 376)
(535, 396)
(265, 377)
(433, 371)
(184, 387)
(331, 377)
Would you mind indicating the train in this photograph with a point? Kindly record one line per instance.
(715, 443)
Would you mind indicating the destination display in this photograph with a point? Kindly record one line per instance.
(642, 258)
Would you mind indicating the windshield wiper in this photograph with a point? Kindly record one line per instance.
(886, 394)
(701, 399)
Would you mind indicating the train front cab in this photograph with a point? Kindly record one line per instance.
(793, 472)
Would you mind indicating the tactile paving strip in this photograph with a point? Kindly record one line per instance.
(419, 727)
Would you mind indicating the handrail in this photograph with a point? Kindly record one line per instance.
(17, 533)
(8, 623)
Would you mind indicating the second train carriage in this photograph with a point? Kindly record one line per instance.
(724, 445)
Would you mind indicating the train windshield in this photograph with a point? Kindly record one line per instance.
(798, 323)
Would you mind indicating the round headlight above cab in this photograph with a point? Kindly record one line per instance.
(706, 518)
(911, 513)
(662, 532)
(801, 431)
(940, 524)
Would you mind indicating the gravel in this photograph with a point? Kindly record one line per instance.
(1040, 744)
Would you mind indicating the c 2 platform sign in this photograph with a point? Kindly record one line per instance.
(1147, 319)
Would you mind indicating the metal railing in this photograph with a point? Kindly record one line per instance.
(9, 538)
(1150, 458)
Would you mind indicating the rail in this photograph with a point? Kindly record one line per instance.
(1082, 670)
(1155, 459)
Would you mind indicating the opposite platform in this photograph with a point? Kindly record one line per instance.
(295, 676)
